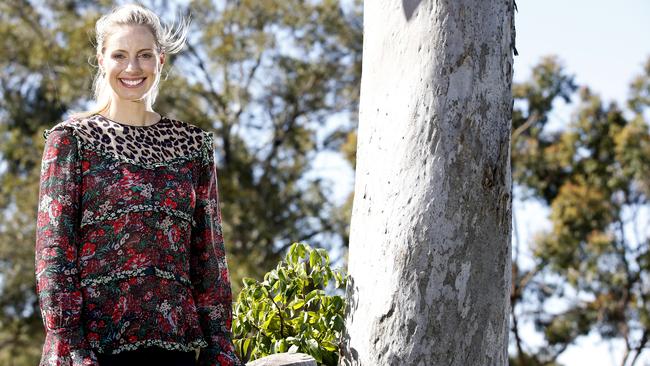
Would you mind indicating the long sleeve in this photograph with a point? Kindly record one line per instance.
(57, 281)
(208, 268)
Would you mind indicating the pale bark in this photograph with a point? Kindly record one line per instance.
(429, 258)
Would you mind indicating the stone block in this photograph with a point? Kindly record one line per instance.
(284, 359)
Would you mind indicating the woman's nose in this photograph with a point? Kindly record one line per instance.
(133, 64)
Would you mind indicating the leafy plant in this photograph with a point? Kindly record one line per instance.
(289, 311)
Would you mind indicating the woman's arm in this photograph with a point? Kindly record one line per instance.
(208, 268)
(57, 277)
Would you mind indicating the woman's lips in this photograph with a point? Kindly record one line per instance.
(132, 83)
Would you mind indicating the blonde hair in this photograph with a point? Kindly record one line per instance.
(169, 40)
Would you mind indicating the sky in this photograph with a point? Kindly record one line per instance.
(604, 44)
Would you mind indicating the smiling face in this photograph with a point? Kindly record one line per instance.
(131, 62)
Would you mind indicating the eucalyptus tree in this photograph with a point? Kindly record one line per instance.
(429, 256)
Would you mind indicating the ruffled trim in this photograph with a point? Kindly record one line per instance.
(207, 148)
(173, 346)
(138, 272)
(113, 215)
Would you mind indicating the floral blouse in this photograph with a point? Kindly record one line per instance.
(129, 246)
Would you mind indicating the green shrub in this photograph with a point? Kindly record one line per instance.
(289, 311)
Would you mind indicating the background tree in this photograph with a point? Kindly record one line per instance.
(593, 173)
(429, 259)
(264, 75)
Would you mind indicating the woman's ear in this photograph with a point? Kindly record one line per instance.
(100, 62)
(162, 59)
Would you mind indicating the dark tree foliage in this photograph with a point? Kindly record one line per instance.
(593, 174)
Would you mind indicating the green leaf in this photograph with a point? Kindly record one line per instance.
(338, 323)
(248, 282)
(293, 349)
(291, 254)
(282, 275)
(313, 317)
(290, 292)
(258, 292)
(314, 350)
(246, 346)
(280, 346)
(337, 301)
(267, 324)
(329, 346)
(278, 299)
(300, 250)
(314, 259)
(322, 253)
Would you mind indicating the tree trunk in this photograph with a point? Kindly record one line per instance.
(429, 258)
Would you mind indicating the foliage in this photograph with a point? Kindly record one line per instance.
(593, 174)
(289, 311)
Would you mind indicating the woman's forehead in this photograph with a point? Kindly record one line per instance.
(130, 37)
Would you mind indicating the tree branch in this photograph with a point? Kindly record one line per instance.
(218, 98)
(534, 117)
(641, 346)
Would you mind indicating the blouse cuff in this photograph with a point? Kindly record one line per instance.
(67, 348)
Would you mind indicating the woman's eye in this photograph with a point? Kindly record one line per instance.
(120, 56)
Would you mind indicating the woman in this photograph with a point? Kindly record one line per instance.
(130, 261)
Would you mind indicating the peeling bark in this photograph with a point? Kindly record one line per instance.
(429, 258)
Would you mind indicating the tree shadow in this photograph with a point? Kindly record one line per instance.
(348, 355)
(409, 7)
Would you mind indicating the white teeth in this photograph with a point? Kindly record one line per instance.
(132, 82)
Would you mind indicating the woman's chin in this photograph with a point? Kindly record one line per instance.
(132, 97)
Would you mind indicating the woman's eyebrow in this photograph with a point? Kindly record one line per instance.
(144, 49)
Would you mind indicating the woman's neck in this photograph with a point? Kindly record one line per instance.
(132, 113)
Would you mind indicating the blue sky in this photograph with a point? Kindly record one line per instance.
(604, 44)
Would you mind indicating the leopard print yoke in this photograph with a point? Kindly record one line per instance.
(162, 143)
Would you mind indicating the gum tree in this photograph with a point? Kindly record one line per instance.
(429, 259)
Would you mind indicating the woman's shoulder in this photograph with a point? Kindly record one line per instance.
(204, 138)
(189, 125)
(64, 127)
(204, 142)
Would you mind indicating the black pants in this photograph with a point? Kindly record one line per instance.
(148, 356)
